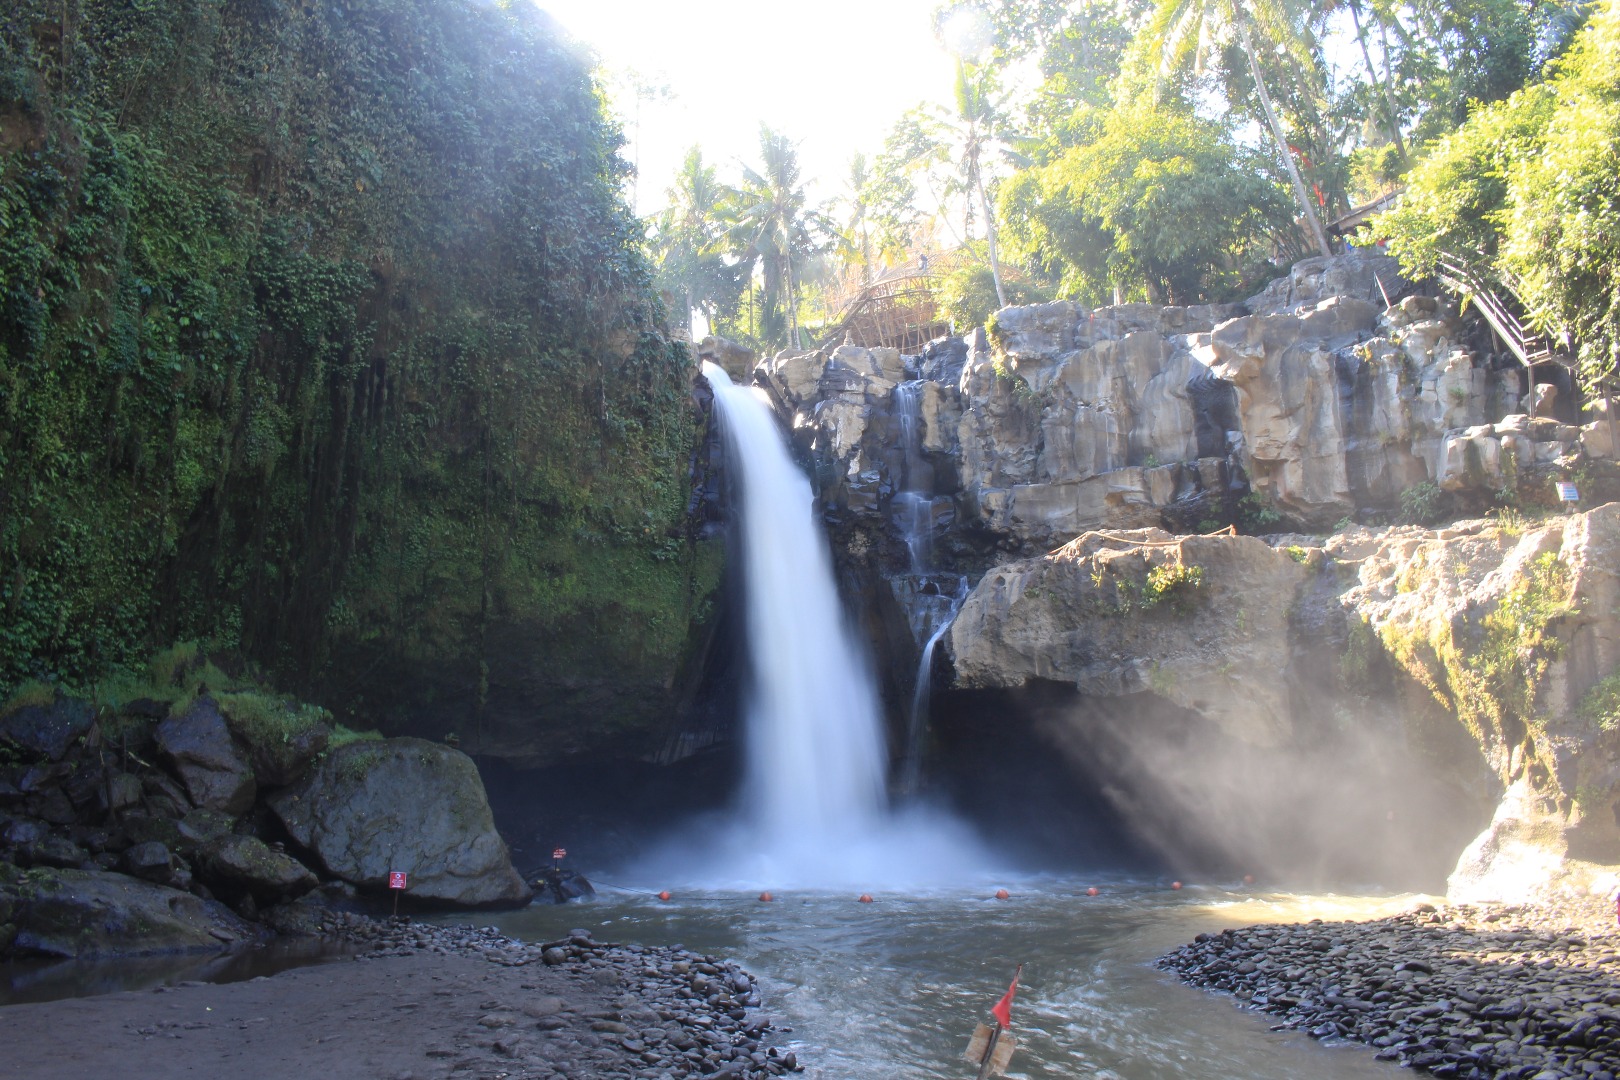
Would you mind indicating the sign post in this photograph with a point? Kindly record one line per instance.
(397, 880)
(1568, 494)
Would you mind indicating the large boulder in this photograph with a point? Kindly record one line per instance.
(281, 737)
(404, 804)
(1516, 636)
(235, 864)
(81, 913)
(47, 730)
(198, 747)
(1201, 621)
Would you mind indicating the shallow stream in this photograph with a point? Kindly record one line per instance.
(893, 989)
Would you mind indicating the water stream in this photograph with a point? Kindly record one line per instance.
(930, 600)
(893, 989)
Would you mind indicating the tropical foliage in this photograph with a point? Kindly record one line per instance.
(1529, 188)
(325, 337)
(1182, 150)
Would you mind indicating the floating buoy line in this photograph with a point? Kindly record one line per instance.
(766, 897)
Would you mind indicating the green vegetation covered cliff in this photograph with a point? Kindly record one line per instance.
(324, 336)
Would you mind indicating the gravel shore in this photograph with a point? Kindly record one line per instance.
(1528, 992)
(424, 1002)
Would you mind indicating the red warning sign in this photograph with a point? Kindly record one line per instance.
(559, 854)
(396, 879)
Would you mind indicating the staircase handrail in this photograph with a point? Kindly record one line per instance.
(1528, 347)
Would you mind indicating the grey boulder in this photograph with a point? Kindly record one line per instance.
(409, 805)
(199, 749)
(82, 913)
(48, 730)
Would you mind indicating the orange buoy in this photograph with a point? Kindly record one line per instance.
(1092, 891)
(1003, 894)
(866, 898)
(664, 895)
(1175, 884)
(1248, 879)
(766, 898)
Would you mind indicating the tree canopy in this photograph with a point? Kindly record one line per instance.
(1529, 189)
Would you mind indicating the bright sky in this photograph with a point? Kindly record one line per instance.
(833, 76)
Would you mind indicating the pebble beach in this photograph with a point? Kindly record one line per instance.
(1530, 992)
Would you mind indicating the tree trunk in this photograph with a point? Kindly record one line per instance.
(1311, 220)
(792, 303)
(990, 235)
(1372, 74)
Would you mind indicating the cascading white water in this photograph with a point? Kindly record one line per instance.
(914, 501)
(931, 601)
(815, 810)
(816, 759)
(948, 605)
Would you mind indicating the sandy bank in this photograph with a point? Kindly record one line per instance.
(426, 1002)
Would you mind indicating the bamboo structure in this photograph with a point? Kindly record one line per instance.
(900, 310)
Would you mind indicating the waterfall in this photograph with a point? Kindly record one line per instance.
(816, 761)
(913, 502)
(939, 615)
(930, 601)
(814, 809)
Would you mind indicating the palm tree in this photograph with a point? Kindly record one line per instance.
(1183, 28)
(978, 129)
(856, 234)
(960, 139)
(689, 239)
(1384, 84)
(774, 227)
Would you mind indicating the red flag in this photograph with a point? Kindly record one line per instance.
(1002, 1010)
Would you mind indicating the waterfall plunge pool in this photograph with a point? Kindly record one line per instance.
(892, 989)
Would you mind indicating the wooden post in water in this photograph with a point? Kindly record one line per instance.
(989, 1052)
(991, 1048)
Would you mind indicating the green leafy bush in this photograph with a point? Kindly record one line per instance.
(1421, 503)
(1600, 707)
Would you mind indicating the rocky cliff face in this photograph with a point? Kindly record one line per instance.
(1314, 401)
(202, 815)
(327, 335)
(1475, 659)
(1269, 702)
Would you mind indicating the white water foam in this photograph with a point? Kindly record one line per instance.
(814, 807)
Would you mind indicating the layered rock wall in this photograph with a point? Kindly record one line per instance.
(1313, 404)
(1268, 700)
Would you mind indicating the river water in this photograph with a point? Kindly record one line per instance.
(893, 989)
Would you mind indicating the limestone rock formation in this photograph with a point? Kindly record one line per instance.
(1312, 403)
(1192, 619)
(1516, 635)
(1482, 657)
(404, 804)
